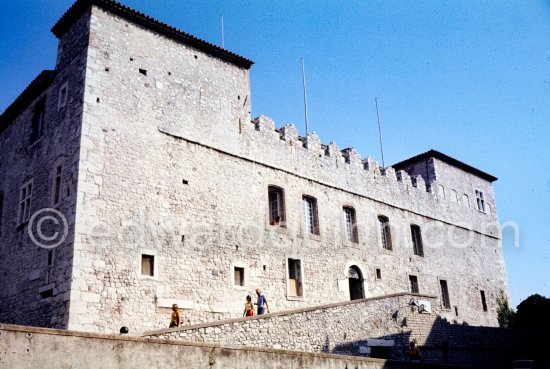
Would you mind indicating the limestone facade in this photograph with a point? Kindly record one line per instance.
(169, 189)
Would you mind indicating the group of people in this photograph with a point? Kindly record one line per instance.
(261, 303)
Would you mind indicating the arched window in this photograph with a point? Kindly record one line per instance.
(355, 278)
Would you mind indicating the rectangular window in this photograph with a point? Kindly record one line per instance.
(385, 232)
(351, 225)
(238, 273)
(310, 215)
(294, 278)
(25, 196)
(417, 240)
(276, 206)
(63, 96)
(1, 210)
(50, 259)
(38, 121)
(483, 300)
(445, 302)
(56, 195)
(148, 265)
(413, 281)
(378, 274)
(480, 197)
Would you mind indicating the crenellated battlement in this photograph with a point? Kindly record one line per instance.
(350, 156)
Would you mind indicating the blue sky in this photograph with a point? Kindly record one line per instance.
(468, 78)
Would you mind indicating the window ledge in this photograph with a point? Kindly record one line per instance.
(295, 298)
(316, 237)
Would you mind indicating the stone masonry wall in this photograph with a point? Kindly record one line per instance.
(26, 276)
(173, 167)
(358, 325)
(377, 327)
(48, 349)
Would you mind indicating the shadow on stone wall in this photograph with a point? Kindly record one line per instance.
(454, 344)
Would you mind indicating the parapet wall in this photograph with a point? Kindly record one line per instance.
(351, 327)
(29, 347)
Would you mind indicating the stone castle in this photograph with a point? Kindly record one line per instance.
(133, 176)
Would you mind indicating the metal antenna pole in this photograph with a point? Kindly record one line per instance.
(305, 95)
(223, 41)
(380, 133)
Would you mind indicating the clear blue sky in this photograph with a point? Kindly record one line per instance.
(468, 78)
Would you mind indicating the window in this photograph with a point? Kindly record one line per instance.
(483, 300)
(441, 191)
(63, 95)
(238, 273)
(417, 240)
(351, 225)
(480, 197)
(56, 194)
(413, 282)
(38, 121)
(445, 302)
(385, 234)
(25, 196)
(310, 215)
(276, 206)
(378, 274)
(294, 278)
(465, 201)
(148, 265)
(50, 258)
(1, 210)
(454, 196)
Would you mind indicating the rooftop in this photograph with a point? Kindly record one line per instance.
(402, 165)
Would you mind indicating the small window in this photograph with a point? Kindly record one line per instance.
(378, 274)
(276, 206)
(47, 293)
(445, 302)
(417, 240)
(465, 201)
(441, 191)
(50, 258)
(25, 197)
(483, 300)
(480, 198)
(238, 273)
(295, 278)
(63, 96)
(454, 196)
(351, 225)
(56, 187)
(1, 210)
(413, 282)
(38, 120)
(310, 215)
(148, 265)
(385, 233)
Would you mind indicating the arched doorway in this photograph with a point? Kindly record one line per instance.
(355, 278)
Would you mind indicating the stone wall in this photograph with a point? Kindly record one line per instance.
(323, 328)
(26, 348)
(377, 327)
(35, 279)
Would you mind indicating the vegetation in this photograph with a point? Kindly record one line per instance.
(532, 313)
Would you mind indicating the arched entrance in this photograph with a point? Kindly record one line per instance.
(355, 278)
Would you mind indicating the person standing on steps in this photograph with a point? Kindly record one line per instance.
(261, 302)
(176, 319)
